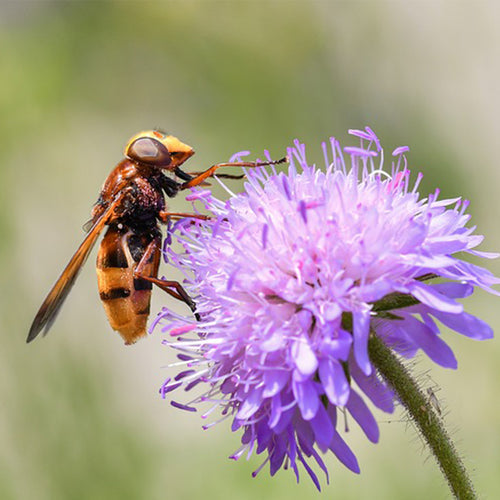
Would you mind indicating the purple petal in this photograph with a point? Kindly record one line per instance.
(431, 297)
(485, 255)
(361, 329)
(284, 420)
(332, 376)
(247, 435)
(466, 324)
(376, 290)
(321, 464)
(429, 342)
(273, 342)
(396, 337)
(250, 405)
(305, 435)
(344, 453)
(274, 381)
(483, 277)
(380, 395)
(336, 342)
(312, 475)
(304, 357)
(236, 424)
(436, 262)
(292, 447)
(447, 245)
(307, 398)
(265, 436)
(323, 429)
(454, 290)
(275, 415)
(363, 416)
(278, 454)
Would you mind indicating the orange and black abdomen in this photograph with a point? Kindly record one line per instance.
(126, 299)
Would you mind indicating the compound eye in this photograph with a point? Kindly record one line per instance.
(149, 151)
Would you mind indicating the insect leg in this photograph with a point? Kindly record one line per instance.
(222, 176)
(200, 177)
(173, 288)
(187, 177)
(165, 216)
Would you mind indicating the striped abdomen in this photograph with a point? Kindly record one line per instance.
(126, 299)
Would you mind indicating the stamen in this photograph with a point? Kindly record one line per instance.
(255, 472)
(363, 153)
(182, 407)
(212, 424)
(400, 151)
(303, 210)
(265, 229)
(237, 454)
(193, 196)
(237, 157)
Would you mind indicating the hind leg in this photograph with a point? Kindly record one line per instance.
(173, 288)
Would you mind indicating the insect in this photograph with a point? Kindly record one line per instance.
(132, 203)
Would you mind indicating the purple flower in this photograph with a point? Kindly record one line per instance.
(292, 276)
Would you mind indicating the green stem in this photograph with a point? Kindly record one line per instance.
(421, 411)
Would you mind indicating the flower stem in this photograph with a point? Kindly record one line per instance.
(420, 409)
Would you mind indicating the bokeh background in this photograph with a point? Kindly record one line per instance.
(80, 414)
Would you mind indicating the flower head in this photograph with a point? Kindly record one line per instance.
(293, 275)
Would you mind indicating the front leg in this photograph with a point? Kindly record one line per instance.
(187, 177)
(170, 186)
(200, 177)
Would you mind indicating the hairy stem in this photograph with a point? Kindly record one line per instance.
(422, 412)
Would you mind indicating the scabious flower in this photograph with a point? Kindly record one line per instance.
(292, 276)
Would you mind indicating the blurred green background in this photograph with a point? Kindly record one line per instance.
(80, 413)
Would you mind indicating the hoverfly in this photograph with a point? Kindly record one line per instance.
(132, 203)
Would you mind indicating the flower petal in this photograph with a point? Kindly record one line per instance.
(380, 395)
(250, 404)
(323, 429)
(344, 453)
(274, 381)
(304, 357)
(429, 342)
(431, 297)
(306, 397)
(466, 324)
(454, 290)
(334, 381)
(361, 329)
(278, 454)
(363, 416)
(336, 342)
